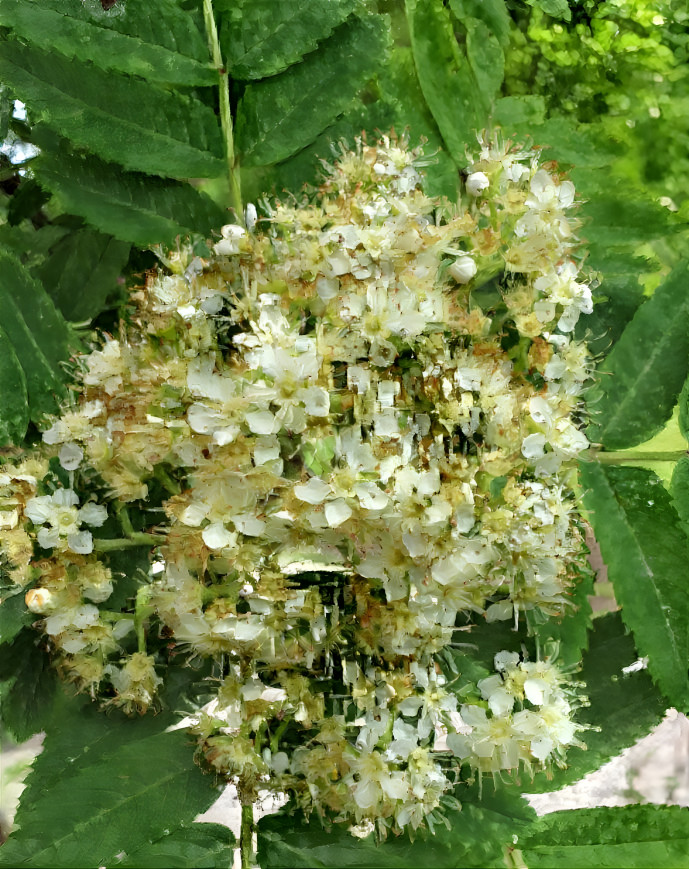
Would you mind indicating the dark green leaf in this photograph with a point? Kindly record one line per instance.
(445, 76)
(281, 115)
(27, 704)
(263, 37)
(28, 199)
(485, 57)
(638, 383)
(477, 837)
(14, 399)
(90, 799)
(135, 123)
(582, 145)
(203, 846)
(684, 409)
(13, 617)
(621, 221)
(624, 837)
(82, 271)
(492, 12)
(129, 205)
(623, 706)
(155, 40)
(680, 490)
(39, 335)
(649, 570)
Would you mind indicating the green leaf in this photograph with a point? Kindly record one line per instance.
(617, 221)
(679, 488)
(476, 838)
(556, 8)
(13, 616)
(517, 111)
(623, 837)
(649, 570)
(104, 785)
(493, 13)
(260, 38)
(445, 76)
(155, 40)
(485, 57)
(39, 335)
(27, 200)
(129, 205)
(135, 123)
(82, 271)
(623, 706)
(638, 383)
(203, 846)
(14, 399)
(684, 410)
(582, 145)
(281, 115)
(27, 704)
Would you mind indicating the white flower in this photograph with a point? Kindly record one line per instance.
(463, 269)
(476, 183)
(61, 519)
(231, 237)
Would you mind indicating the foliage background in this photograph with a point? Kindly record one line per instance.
(122, 150)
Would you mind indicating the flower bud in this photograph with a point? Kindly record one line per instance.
(477, 183)
(463, 269)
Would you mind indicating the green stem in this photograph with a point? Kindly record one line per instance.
(225, 110)
(142, 610)
(246, 837)
(622, 457)
(138, 538)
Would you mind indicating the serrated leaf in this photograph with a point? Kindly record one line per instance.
(584, 146)
(445, 76)
(516, 111)
(115, 796)
(27, 200)
(476, 838)
(129, 205)
(649, 570)
(27, 704)
(155, 40)
(493, 13)
(39, 335)
(260, 38)
(624, 837)
(203, 846)
(132, 122)
(679, 488)
(617, 221)
(637, 385)
(82, 271)
(281, 115)
(13, 617)
(622, 708)
(485, 57)
(14, 398)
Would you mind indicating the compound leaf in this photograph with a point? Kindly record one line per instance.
(133, 122)
(281, 115)
(638, 383)
(155, 40)
(649, 570)
(260, 38)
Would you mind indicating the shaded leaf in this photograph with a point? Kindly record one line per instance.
(27, 704)
(133, 122)
(155, 40)
(14, 399)
(477, 837)
(680, 490)
(621, 836)
(119, 794)
(281, 115)
(13, 616)
(493, 13)
(82, 271)
(445, 76)
(622, 708)
(203, 846)
(27, 200)
(556, 8)
(129, 205)
(262, 37)
(649, 571)
(638, 383)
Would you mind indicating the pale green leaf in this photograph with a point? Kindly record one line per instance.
(14, 399)
(260, 38)
(619, 837)
(127, 120)
(129, 205)
(155, 40)
(556, 8)
(492, 12)
(445, 76)
(510, 112)
(281, 115)
(637, 385)
(649, 570)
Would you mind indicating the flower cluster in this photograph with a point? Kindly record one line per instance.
(363, 418)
